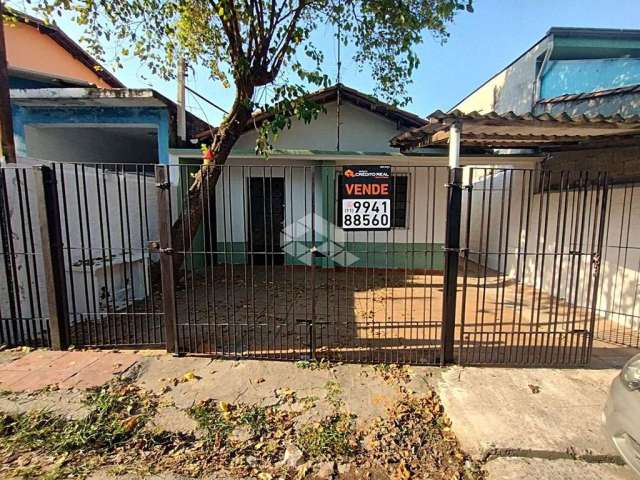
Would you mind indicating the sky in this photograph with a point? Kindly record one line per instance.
(480, 45)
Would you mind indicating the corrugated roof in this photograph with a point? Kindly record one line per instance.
(509, 130)
(572, 97)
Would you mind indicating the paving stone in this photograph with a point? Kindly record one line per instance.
(40, 369)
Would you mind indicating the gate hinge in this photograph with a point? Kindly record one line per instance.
(163, 185)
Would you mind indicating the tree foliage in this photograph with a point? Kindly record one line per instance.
(264, 44)
(266, 50)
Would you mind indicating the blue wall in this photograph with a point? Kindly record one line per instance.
(578, 76)
(17, 82)
(159, 117)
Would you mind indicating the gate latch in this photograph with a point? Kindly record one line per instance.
(154, 246)
(596, 262)
(315, 253)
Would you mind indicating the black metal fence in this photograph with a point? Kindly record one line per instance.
(273, 275)
(481, 266)
(531, 267)
(24, 318)
(618, 308)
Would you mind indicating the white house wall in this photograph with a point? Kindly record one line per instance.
(361, 130)
(123, 200)
(546, 263)
(425, 210)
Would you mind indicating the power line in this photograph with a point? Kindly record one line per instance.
(206, 99)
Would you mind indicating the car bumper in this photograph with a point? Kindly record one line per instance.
(622, 422)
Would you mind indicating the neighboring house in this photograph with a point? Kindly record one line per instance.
(572, 70)
(591, 72)
(67, 107)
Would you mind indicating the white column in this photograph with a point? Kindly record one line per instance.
(455, 132)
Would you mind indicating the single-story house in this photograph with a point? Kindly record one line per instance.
(302, 179)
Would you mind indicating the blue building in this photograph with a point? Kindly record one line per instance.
(69, 108)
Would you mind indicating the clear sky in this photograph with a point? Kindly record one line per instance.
(481, 44)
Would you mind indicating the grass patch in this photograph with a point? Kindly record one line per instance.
(116, 413)
(214, 419)
(334, 393)
(322, 364)
(39, 444)
(335, 436)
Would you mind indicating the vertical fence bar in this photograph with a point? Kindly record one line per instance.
(452, 250)
(52, 257)
(6, 336)
(596, 259)
(166, 261)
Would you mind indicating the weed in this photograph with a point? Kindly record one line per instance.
(116, 413)
(255, 417)
(334, 436)
(322, 364)
(214, 419)
(334, 391)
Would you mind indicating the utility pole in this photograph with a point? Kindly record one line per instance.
(8, 151)
(181, 101)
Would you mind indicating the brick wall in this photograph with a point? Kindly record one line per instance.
(622, 164)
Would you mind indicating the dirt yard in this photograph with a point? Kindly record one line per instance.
(373, 315)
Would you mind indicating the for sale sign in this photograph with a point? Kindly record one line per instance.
(366, 197)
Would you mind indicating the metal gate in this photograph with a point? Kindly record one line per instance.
(530, 266)
(273, 275)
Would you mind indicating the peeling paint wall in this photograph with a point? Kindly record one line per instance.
(510, 90)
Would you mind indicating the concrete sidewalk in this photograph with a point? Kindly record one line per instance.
(534, 423)
(525, 423)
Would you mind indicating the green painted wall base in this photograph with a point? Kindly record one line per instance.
(351, 254)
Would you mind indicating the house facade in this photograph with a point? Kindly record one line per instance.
(301, 183)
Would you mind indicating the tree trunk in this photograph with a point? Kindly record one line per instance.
(196, 206)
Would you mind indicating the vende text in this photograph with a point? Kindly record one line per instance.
(367, 189)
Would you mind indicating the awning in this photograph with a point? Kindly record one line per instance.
(493, 130)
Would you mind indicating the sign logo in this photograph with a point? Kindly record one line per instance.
(366, 197)
(329, 241)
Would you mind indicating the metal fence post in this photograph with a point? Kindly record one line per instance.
(451, 258)
(166, 261)
(8, 259)
(52, 255)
